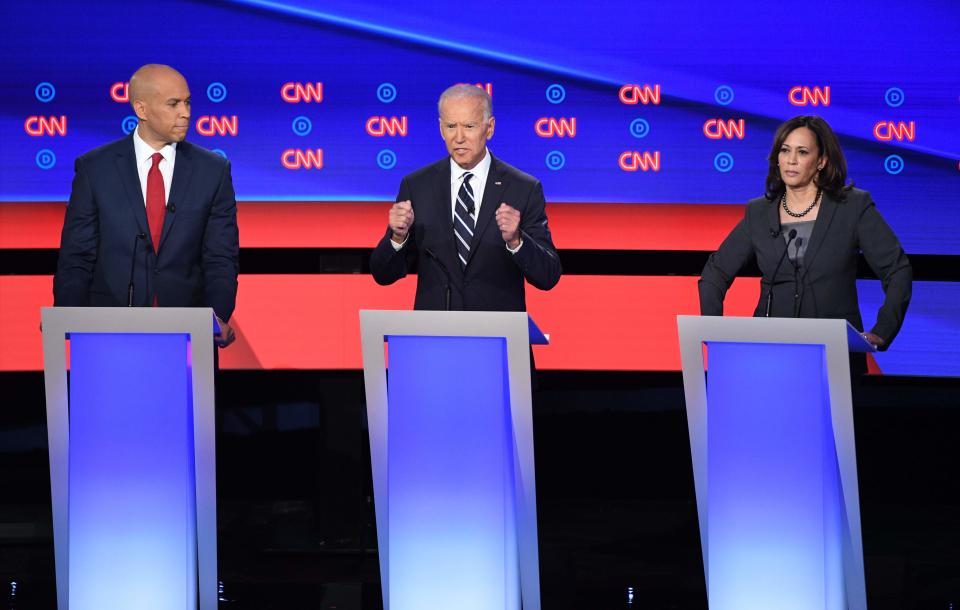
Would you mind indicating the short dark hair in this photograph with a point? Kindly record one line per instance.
(832, 178)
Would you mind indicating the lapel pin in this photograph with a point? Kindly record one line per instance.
(498, 183)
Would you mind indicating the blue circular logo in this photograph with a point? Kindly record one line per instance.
(723, 162)
(386, 92)
(302, 126)
(556, 94)
(894, 97)
(45, 92)
(723, 95)
(219, 151)
(46, 159)
(639, 128)
(386, 159)
(216, 92)
(893, 164)
(128, 124)
(555, 160)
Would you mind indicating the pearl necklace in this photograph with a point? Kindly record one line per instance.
(816, 200)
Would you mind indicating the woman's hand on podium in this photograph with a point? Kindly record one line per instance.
(874, 340)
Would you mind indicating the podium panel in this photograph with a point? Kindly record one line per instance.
(451, 445)
(453, 531)
(773, 489)
(132, 507)
(132, 464)
(771, 437)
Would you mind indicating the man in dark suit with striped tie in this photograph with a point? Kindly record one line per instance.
(473, 227)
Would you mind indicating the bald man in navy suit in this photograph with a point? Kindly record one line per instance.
(152, 219)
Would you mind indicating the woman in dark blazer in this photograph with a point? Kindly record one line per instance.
(806, 233)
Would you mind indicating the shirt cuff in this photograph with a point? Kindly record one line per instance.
(514, 251)
(396, 246)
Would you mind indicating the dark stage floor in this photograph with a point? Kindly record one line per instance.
(615, 493)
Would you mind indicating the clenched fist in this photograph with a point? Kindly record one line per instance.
(401, 219)
(508, 221)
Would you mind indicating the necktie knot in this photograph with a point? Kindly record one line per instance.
(467, 176)
(157, 157)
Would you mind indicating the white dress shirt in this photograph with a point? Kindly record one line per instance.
(478, 183)
(144, 153)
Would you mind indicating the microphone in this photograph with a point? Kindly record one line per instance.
(790, 236)
(774, 233)
(796, 277)
(133, 260)
(446, 274)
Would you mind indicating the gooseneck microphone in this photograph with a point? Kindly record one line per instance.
(133, 260)
(796, 277)
(792, 234)
(446, 274)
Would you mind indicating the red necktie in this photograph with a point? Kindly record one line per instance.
(156, 206)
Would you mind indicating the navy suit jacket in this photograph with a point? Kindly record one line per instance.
(493, 279)
(825, 286)
(106, 235)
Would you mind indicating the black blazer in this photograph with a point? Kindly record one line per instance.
(494, 278)
(197, 262)
(826, 283)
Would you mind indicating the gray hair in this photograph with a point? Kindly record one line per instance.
(467, 91)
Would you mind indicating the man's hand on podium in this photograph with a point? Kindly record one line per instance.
(874, 340)
(226, 335)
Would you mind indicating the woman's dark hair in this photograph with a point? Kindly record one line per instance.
(831, 178)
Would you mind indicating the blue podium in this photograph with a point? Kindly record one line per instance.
(774, 460)
(451, 446)
(132, 457)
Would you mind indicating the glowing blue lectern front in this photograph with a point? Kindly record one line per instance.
(451, 445)
(132, 457)
(774, 461)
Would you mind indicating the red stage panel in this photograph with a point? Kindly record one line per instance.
(30, 225)
(627, 226)
(579, 226)
(311, 321)
(622, 323)
(21, 298)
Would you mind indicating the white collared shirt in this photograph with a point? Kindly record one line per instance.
(144, 153)
(477, 183)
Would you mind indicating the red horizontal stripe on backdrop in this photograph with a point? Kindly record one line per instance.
(576, 226)
(31, 225)
(311, 321)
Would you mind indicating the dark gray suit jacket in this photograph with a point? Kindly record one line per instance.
(825, 286)
(494, 278)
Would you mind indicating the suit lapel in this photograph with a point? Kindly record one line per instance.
(828, 206)
(182, 170)
(779, 243)
(130, 179)
(444, 219)
(492, 191)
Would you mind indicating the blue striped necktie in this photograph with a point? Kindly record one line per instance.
(463, 224)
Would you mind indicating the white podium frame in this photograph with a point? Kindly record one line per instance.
(517, 329)
(837, 338)
(58, 324)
